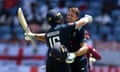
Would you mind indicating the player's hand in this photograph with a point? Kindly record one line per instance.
(89, 17)
(70, 58)
(28, 36)
(91, 59)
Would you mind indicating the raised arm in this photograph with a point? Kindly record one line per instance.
(40, 36)
(83, 21)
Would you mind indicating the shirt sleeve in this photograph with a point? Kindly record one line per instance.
(81, 35)
(69, 27)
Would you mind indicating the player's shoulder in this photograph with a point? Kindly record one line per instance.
(50, 30)
(60, 26)
(81, 30)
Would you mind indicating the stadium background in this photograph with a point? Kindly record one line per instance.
(17, 55)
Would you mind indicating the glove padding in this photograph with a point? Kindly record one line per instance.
(28, 36)
(59, 52)
(70, 58)
(89, 17)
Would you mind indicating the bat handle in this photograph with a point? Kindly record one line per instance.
(30, 38)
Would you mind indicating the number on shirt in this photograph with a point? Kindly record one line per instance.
(54, 40)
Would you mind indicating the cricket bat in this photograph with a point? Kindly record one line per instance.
(23, 21)
(24, 25)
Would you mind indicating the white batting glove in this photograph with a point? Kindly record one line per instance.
(89, 18)
(28, 36)
(70, 58)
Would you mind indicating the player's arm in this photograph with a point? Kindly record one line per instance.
(84, 46)
(83, 50)
(95, 54)
(40, 36)
(70, 27)
(72, 55)
(83, 21)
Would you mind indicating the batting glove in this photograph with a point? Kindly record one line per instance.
(70, 58)
(28, 36)
(89, 18)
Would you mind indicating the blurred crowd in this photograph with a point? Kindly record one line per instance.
(106, 13)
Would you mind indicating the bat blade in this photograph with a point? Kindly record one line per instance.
(23, 21)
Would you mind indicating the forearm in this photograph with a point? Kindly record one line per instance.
(40, 36)
(94, 53)
(83, 21)
(72, 55)
(83, 50)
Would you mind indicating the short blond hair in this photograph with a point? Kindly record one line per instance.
(75, 10)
